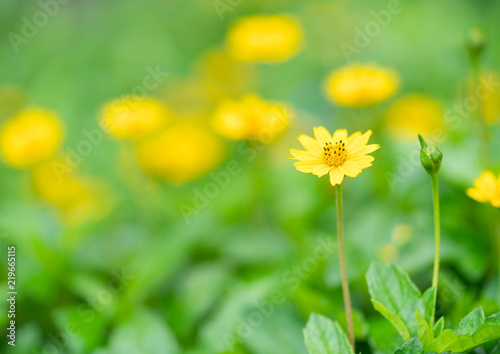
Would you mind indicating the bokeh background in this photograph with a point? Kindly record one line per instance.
(178, 241)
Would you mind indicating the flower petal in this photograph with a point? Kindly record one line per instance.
(477, 195)
(340, 134)
(360, 141)
(364, 150)
(310, 144)
(336, 177)
(349, 141)
(304, 155)
(350, 168)
(363, 161)
(486, 183)
(321, 170)
(322, 136)
(318, 169)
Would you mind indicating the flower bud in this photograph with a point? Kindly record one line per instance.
(430, 156)
(475, 44)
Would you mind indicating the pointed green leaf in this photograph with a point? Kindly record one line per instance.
(391, 287)
(473, 331)
(324, 336)
(424, 331)
(394, 319)
(438, 328)
(413, 346)
(470, 323)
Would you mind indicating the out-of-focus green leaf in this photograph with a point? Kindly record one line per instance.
(144, 333)
(383, 337)
(473, 331)
(280, 333)
(425, 333)
(323, 336)
(391, 287)
(438, 328)
(413, 346)
(233, 319)
(396, 321)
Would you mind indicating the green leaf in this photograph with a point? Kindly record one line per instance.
(438, 328)
(144, 332)
(473, 331)
(391, 287)
(413, 346)
(471, 322)
(394, 319)
(324, 336)
(425, 333)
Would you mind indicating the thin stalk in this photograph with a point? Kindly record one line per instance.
(498, 255)
(343, 273)
(437, 240)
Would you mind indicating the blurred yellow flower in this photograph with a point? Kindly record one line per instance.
(251, 118)
(387, 253)
(181, 153)
(491, 107)
(489, 96)
(338, 155)
(414, 114)
(76, 199)
(134, 118)
(223, 76)
(486, 189)
(357, 85)
(402, 234)
(273, 38)
(30, 137)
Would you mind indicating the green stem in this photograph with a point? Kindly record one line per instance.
(498, 256)
(343, 273)
(437, 240)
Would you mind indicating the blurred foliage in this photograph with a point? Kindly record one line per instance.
(218, 256)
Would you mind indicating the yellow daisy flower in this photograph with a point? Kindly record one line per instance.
(30, 137)
(181, 153)
(251, 118)
(357, 85)
(339, 155)
(414, 114)
(134, 119)
(75, 198)
(263, 38)
(486, 189)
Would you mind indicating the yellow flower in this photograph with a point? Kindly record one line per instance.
(75, 198)
(387, 253)
(180, 153)
(414, 114)
(357, 85)
(251, 118)
(265, 38)
(30, 137)
(491, 107)
(486, 189)
(223, 76)
(490, 100)
(134, 119)
(338, 155)
(402, 234)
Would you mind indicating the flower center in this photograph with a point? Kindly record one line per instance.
(334, 155)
